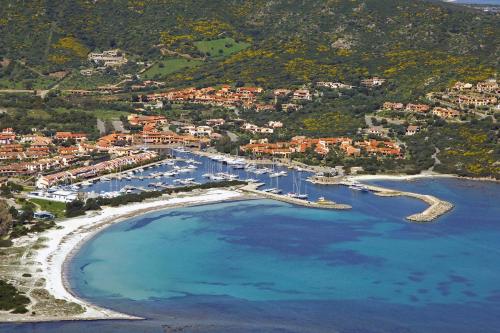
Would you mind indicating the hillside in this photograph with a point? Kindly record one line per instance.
(418, 45)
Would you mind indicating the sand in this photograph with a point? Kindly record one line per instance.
(62, 242)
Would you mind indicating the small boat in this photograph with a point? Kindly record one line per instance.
(297, 196)
(238, 166)
(359, 187)
(251, 180)
(323, 201)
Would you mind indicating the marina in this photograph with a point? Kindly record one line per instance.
(186, 168)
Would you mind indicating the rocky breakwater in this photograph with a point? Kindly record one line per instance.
(437, 207)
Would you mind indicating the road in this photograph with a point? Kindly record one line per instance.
(232, 136)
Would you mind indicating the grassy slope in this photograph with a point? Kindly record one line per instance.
(170, 66)
(222, 47)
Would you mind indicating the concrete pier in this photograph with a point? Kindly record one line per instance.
(253, 188)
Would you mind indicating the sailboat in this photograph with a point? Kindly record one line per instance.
(296, 188)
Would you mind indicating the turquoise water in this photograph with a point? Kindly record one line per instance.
(266, 266)
(263, 250)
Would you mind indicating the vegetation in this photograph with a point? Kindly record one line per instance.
(78, 207)
(163, 68)
(5, 218)
(54, 207)
(407, 41)
(222, 47)
(11, 299)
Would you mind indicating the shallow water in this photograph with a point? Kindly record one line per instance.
(272, 267)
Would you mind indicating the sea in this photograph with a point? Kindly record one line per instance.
(268, 266)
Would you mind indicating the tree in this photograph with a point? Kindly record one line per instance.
(5, 218)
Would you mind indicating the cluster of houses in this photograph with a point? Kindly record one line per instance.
(225, 96)
(271, 126)
(482, 95)
(229, 97)
(442, 112)
(24, 154)
(322, 146)
(90, 171)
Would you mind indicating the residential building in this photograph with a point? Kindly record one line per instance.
(445, 113)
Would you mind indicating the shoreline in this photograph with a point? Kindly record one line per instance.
(59, 245)
(400, 177)
(318, 168)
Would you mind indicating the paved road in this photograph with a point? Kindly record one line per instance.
(232, 136)
(118, 125)
(101, 127)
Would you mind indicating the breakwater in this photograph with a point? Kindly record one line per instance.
(253, 188)
(437, 207)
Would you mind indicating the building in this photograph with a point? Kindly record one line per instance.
(64, 136)
(377, 130)
(462, 86)
(412, 130)
(393, 106)
(476, 100)
(373, 82)
(87, 72)
(289, 107)
(488, 86)
(282, 92)
(110, 58)
(445, 113)
(7, 137)
(140, 120)
(275, 124)
(419, 108)
(333, 85)
(215, 122)
(302, 94)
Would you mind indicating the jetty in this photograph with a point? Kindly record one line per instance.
(437, 207)
(253, 188)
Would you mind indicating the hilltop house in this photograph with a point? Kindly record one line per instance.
(373, 82)
(412, 130)
(302, 94)
(110, 58)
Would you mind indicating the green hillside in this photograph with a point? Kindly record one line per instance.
(418, 45)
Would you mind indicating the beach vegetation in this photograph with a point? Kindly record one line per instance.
(12, 299)
(79, 207)
(55, 207)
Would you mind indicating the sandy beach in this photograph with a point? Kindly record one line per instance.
(47, 263)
